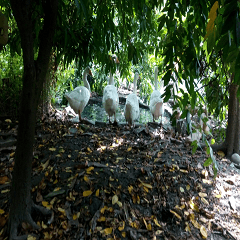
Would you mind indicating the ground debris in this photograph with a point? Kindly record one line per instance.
(112, 182)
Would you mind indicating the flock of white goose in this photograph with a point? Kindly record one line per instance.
(79, 98)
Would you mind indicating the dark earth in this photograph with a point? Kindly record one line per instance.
(115, 182)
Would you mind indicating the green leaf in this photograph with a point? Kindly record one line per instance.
(161, 21)
(237, 31)
(208, 162)
(211, 41)
(194, 144)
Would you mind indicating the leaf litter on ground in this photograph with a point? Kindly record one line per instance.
(120, 183)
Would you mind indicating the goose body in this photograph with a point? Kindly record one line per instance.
(156, 102)
(131, 110)
(79, 97)
(110, 99)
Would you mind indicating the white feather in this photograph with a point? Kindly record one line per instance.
(156, 102)
(79, 97)
(110, 98)
(131, 110)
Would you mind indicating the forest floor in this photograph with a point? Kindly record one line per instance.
(114, 182)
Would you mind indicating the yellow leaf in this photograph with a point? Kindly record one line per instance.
(89, 150)
(181, 189)
(120, 228)
(8, 120)
(156, 222)
(183, 170)
(193, 206)
(212, 16)
(119, 204)
(203, 231)
(2, 211)
(177, 215)
(129, 149)
(61, 210)
(218, 196)
(114, 199)
(201, 194)
(145, 223)
(124, 234)
(188, 187)
(52, 149)
(44, 203)
(187, 228)
(108, 230)
(134, 225)
(101, 219)
(204, 201)
(75, 216)
(88, 170)
(145, 189)
(130, 188)
(149, 227)
(30, 237)
(146, 184)
(103, 209)
(45, 164)
(195, 223)
(97, 193)
(87, 193)
(86, 179)
(207, 181)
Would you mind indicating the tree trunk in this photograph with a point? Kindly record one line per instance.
(33, 78)
(232, 142)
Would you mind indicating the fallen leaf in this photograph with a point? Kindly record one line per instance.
(102, 219)
(87, 193)
(195, 223)
(181, 189)
(3, 179)
(108, 231)
(52, 149)
(221, 153)
(2, 211)
(201, 194)
(114, 199)
(178, 216)
(203, 232)
(30, 237)
(122, 226)
(97, 193)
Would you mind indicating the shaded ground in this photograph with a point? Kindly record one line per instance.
(118, 183)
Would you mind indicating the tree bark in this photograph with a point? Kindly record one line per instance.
(232, 142)
(232, 118)
(33, 79)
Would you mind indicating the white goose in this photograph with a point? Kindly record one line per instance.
(156, 102)
(110, 99)
(79, 97)
(131, 110)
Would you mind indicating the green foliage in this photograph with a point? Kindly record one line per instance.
(11, 71)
